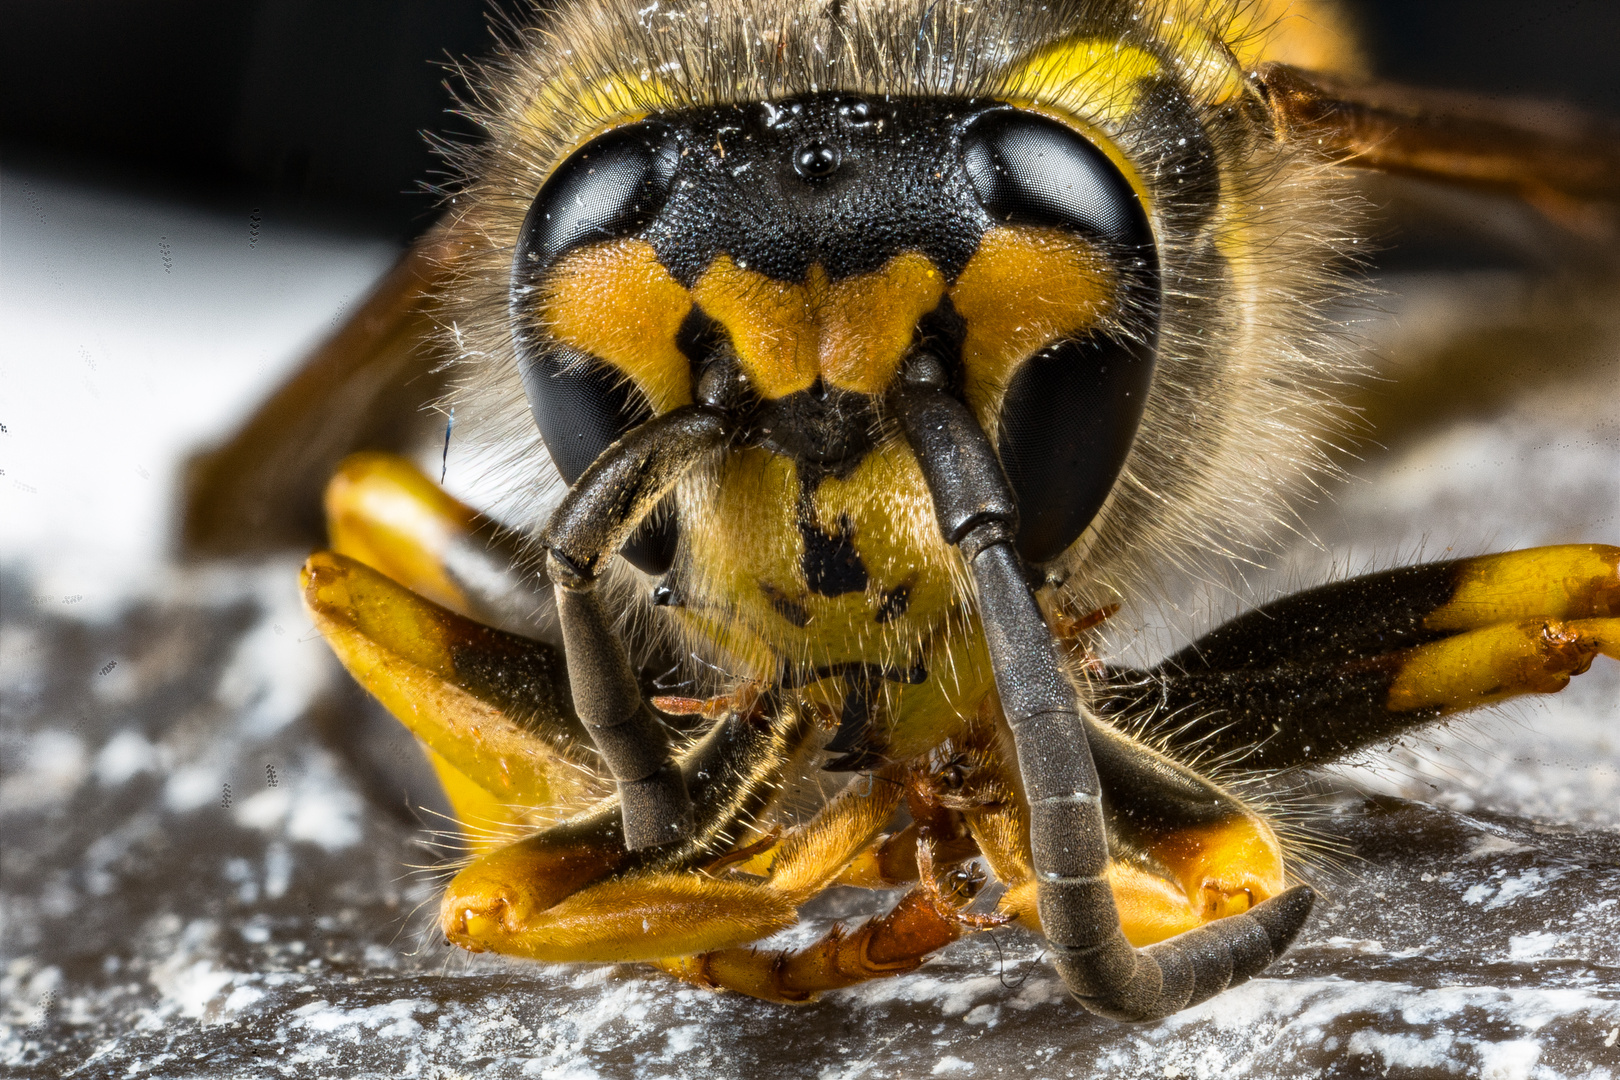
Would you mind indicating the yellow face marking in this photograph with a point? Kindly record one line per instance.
(1023, 289)
(754, 571)
(602, 103)
(852, 334)
(617, 302)
(1092, 76)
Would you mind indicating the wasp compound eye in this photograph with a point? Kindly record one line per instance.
(1029, 170)
(611, 188)
(1071, 410)
(816, 161)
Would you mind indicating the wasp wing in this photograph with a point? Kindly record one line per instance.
(1563, 162)
(365, 387)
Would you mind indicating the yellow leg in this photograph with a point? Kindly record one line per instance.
(642, 917)
(566, 894)
(381, 510)
(1493, 663)
(1176, 881)
(890, 944)
(1567, 581)
(1522, 622)
(491, 705)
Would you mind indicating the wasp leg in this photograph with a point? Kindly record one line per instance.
(492, 706)
(575, 893)
(1552, 159)
(1068, 838)
(593, 521)
(382, 511)
(805, 863)
(1323, 673)
(883, 946)
(363, 387)
(1182, 851)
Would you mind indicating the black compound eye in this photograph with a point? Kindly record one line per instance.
(1071, 411)
(1029, 170)
(611, 187)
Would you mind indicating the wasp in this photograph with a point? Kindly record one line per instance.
(854, 362)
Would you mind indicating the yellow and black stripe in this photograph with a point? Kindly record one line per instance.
(1329, 671)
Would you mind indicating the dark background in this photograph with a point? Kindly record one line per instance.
(317, 106)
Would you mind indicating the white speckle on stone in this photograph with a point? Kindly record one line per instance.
(1397, 1051)
(1508, 1060)
(1531, 945)
(1533, 882)
(264, 811)
(274, 676)
(326, 816)
(682, 1039)
(983, 1014)
(1490, 846)
(397, 1017)
(278, 867)
(193, 988)
(193, 786)
(243, 997)
(949, 1064)
(125, 756)
(53, 767)
(24, 991)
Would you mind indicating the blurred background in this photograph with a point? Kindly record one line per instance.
(316, 109)
(201, 874)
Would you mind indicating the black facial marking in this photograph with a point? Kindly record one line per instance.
(861, 686)
(825, 430)
(856, 734)
(832, 566)
(894, 604)
(858, 738)
(790, 609)
(846, 183)
(699, 338)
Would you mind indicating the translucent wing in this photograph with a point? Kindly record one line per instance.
(362, 388)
